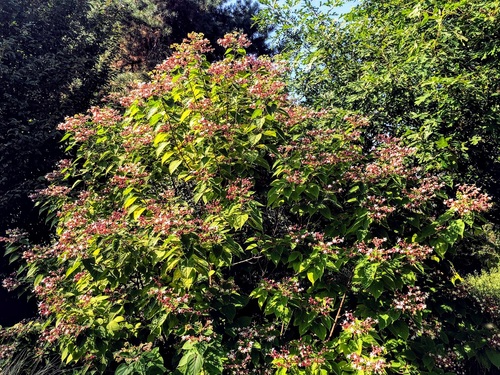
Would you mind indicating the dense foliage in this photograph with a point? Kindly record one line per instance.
(52, 62)
(150, 27)
(49, 68)
(58, 58)
(427, 67)
(217, 226)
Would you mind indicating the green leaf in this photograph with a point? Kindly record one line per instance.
(240, 220)
(400, 329)
(454, 231)
(137, 213)
(254, 138)
(310, 276)
(191, 363)
(440, 247)
(113, 325)
(315, 273)
(174, 164)
(125, 369)
(185, 114)
(160, 148)
(319, 330)
(494, 357)
(167, 156)
(129, 201)
(159, 138)
(312, 191)
(442, 143)
(270, 133)
(256, 113)
(76, 265)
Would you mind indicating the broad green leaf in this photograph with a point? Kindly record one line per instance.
(174, 164)
(76, 265)
(240, 220)
(185, 114)
(129, 201)
(494, 357)
(167, 156)
(137, 213)
(191, 363)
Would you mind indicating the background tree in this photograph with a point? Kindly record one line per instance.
(150, 27)
(429, 68)
(54, 58)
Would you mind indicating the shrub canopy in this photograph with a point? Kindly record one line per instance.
(217, 226)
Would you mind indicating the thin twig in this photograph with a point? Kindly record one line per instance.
(247, 260)
(337, 316)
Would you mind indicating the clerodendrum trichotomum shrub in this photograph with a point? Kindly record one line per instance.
(218, 227)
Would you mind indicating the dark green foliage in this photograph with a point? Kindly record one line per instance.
(427, 67)
(52, 63)
(150, 27)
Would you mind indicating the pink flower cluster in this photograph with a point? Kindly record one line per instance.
(239, 190)
(68, 328)
(130, 353)
(141, 90)
(131, 174)
(378, 210)
(413, 252)
(296, 115)
(306, 356)
(10, 283)
(51, 191)
(207, 128)
(47, 291)
(428, 327)
(411, 301)
(7, 351)
(136, 136)
(240, 359)
(323, 306)
(234, 40)
(369, 365)
(357, 120)
(13, 236)
(109, 225)
(168, 218)
(62, 166)
(355, 326)
(450, 362)
(423, 193)
(189, 52)
(469, 199)
(36, 253)
(287, 287)
(79, 126)
(263, 87)
(388, 160)
(105, 116)
(494, 341)
(317, 240)
(173, 302)
(294, 177)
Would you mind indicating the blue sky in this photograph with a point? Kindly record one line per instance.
(343, 9)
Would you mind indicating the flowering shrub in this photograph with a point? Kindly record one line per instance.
(215, 226)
